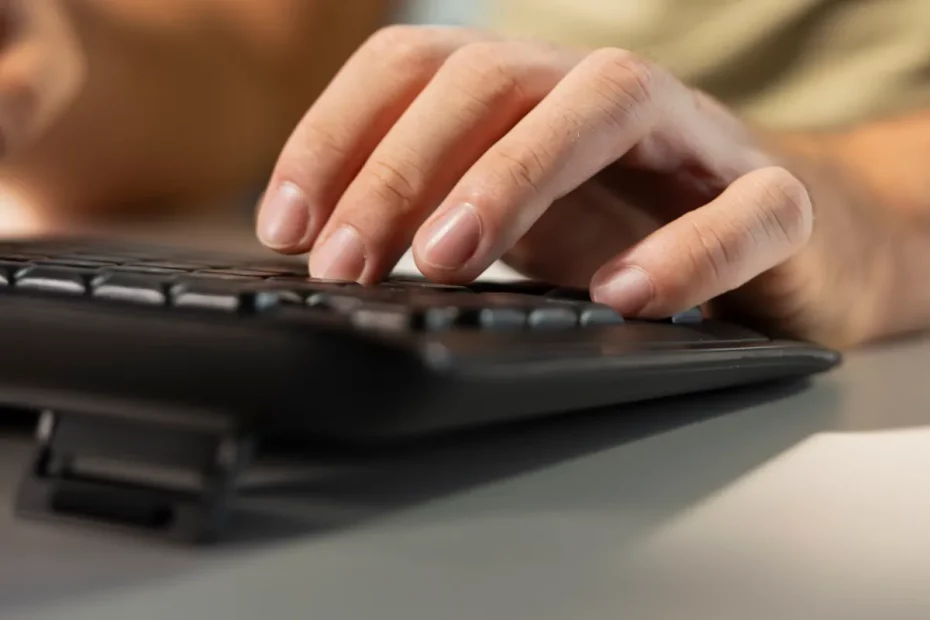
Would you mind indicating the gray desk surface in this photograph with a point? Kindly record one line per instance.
(808, 501)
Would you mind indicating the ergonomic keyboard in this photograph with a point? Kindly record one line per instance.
(170, 357)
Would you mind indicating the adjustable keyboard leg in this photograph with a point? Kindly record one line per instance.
(170, 481)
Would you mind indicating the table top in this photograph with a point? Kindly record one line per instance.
(807, 500)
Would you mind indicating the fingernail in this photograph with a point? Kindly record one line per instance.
(453, 238)
(284, 217)
(341, 257)
(628, 291)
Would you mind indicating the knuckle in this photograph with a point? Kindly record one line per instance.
(404, 45)
(712, 255)
(786, 205)
(395, 184)
(317, 139)
(625, 79)
(490, 66)
(524, 170)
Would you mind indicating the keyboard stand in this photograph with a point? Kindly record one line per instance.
(170, 481)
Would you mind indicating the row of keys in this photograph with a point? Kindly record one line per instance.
(396, 304)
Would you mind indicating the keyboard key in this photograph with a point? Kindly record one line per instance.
(168, 264)
(422, 283)
(75, 262)
(569, 294)
(340, 298)
(554, 316)
(55, 279)
(516, 287)
(113, 259)
(245, 273)
(138, 288)
(150, 270)
(26, 257)
(688, 317)
(227, 295)
(8, 269)
(593, 314)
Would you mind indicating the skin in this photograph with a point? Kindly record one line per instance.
(592, 168)
(584, 167)
(122, 107)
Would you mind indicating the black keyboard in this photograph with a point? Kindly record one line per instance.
(124, 346)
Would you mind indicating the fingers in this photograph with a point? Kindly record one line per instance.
(342, 128)
(607, 105)
(481, 91)
(41, 70)
(760, 221)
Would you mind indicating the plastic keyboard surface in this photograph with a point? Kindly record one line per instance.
(130, 327)
(159, 360)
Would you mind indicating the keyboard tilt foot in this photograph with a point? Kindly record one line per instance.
(174, 482)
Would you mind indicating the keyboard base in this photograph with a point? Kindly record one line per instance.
(169, 481)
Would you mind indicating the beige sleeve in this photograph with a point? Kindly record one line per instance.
(783, 63)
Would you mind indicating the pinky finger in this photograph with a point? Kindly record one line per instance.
(759, 222)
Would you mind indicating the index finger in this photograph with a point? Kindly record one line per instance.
(343, 127)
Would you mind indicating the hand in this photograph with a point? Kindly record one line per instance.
(41, 69)
(581, 168)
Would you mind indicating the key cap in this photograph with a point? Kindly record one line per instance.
(226, 295)
(75, 262)
(569, 294)
(169, 264)
(555, 316)
(592, 314)
(114, 259)
(26, 257)
(245, 273)
(688, 317)
(151, 270)
(55, 279)
(516, 287)
(410, 282)
(8, 269)
(347, 299)
(138, 288)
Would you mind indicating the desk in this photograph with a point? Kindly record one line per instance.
(790, 502)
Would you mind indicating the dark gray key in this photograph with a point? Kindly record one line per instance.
(27, 257)
(75, 262)
(517, 287)
(113, 259)
(552, 316)
(592, 314)
(346, 299)
(170, 264)
(138, 288)
(487, 311)
(569, 294)
(226, 295)
(8, 269)
(246, 273)
(55, 279)
(688, 317)
(151, 270)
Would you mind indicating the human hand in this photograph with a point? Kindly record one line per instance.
(594, 169)
(41, 69)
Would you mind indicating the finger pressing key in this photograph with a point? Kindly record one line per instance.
(478, 95)
(603, 108)
(760, 221)
(339, 132)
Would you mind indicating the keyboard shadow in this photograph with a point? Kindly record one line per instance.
(659, 457)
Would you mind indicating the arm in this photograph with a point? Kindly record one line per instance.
(871, 181)
(184, 101)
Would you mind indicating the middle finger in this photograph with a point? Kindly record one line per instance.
(478, 95)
